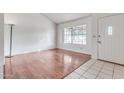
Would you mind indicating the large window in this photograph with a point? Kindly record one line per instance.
(75, 34)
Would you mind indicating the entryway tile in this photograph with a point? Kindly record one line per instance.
(73, 76)
(89, 75)
(93, 71)
(108, 72)
(79, 71)
(118, 76)
(99, 70)
(104, 75)
(1, 69)
(82, 77)
(1, 76)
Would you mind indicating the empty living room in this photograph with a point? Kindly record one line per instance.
(61, 46)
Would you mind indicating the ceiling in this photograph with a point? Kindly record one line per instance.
(64, 17)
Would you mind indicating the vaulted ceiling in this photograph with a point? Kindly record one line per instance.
(64, 17)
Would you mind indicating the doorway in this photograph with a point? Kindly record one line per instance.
(111, 38)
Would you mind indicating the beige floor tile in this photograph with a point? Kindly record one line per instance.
(87, 65)
(82, 77)
(1, 69)
(79, 71)
(118, 67)
(90, 62)
(73, 76)
(99, 63)
(84, 67)
(109, 64)
(108, 68)
(93, 71)
(105, 76)
(95, 68)
(1, 76)
(109, 72)
(118, 76)
(119, 70)
(101, 77)
(89, 76)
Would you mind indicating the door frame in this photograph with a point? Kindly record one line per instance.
(98, 19)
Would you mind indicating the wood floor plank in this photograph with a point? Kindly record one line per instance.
(49, 64)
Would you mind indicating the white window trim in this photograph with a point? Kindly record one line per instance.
(83, 42)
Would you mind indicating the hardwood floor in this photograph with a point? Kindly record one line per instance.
(49, 64)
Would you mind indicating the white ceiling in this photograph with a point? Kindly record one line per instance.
(64, 17)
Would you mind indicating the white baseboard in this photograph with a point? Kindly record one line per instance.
(29, 51)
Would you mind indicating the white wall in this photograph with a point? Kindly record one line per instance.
(78, 48)
(31, 32)
(1, 44)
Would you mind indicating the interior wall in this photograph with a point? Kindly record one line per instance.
(78, 48)
(32, 32)
(1, 44)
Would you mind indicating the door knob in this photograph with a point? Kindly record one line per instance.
(99, 42)
(99, 35)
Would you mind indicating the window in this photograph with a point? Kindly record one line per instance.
(110, 30)
(75, 34)
(67, 35)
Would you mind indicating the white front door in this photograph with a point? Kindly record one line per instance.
(111, 39)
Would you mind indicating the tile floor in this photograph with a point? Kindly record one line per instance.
(1, 71)
(95, 69)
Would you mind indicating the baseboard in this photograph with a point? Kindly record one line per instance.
(75, 51)
(111, 62)
(26, 52)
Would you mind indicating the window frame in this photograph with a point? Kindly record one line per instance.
(82, 27)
